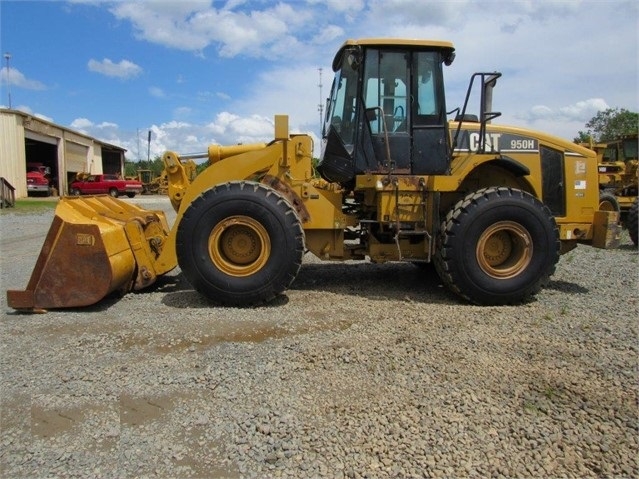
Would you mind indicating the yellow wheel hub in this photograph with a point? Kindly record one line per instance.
(239, 246)
(504, 250)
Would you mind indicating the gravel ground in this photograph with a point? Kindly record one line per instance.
(360, 370)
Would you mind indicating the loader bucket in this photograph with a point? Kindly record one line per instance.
(95, 246)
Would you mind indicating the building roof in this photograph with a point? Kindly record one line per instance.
(30, 117)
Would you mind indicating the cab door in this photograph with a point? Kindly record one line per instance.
(408, 130)
(430, 148)
(386, 89)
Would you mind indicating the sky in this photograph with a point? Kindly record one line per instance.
(198, 72)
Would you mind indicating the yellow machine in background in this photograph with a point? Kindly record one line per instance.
(618, 161)
(147, 178)
(492, 207)
(159, 185)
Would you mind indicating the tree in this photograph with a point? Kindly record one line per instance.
(156, 165)
(608, 125)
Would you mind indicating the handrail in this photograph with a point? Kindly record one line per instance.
(7, 194)
(488, 82)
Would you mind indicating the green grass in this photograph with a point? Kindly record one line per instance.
(28, 206)
(550, 393)
(530, 407)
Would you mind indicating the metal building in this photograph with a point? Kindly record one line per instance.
(26, 140)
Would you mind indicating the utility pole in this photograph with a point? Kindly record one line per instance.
(148, 149)
(7, 57)
(320, 106)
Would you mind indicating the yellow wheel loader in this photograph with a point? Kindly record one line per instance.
(618, 162)
(493, 207)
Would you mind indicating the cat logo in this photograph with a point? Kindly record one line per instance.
(84, 239)
(491, 142)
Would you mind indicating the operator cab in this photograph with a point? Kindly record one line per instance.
(386, 111)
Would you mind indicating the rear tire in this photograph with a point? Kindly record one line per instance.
(240, 243)
(608, 202)
(632, 221)
(497, 246)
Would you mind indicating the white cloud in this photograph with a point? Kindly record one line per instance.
(237, 129)
(183, 136)
(550, 53)
(410, 12)
(581, 110)
(166, 23)
(192, 26)
(182, 111)
(157, 92)
(41, 116)
(540, 111)
(353, 6)
(125, 69)
(328, 34)
(292, 90)
(29, 111)
(107, 125)
(584, 110)
(81, 124)
(16, 78)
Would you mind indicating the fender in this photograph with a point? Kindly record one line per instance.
(511, 165)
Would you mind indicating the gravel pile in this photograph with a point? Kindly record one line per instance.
(360, 370)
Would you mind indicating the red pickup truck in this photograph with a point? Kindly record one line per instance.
(38, 179)
(106, 184)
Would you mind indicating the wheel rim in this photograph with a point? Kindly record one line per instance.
(504, 250)
(239, 246)
(607, 205)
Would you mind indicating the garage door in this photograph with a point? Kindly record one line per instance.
(76, 156)
(32, 135)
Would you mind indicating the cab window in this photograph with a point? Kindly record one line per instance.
(386, 81)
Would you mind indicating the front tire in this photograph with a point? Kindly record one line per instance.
(113, 193)
(240, 243)
(497, 246)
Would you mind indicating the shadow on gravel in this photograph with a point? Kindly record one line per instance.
(99, 307)
(189, 298)
(392, 281)
(566, 287)
(180, 294)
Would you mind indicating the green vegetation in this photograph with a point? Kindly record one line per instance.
(156, 165)
(530, 407)
(550, 393)
(29, 206)
(609, 125)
